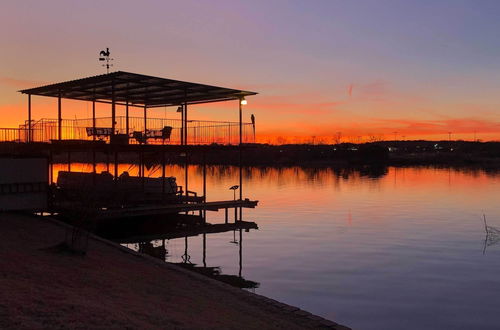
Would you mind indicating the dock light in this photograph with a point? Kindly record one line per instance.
(243, 101)
(179, 109)
(234, 188)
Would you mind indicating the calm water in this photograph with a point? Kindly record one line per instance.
(400, 249)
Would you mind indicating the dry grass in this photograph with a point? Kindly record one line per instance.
(108, 288)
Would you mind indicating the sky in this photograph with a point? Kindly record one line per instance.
(358, 70)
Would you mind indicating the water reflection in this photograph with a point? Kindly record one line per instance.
(152, 236)
(396, 248)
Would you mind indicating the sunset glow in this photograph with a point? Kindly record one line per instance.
(333, 72)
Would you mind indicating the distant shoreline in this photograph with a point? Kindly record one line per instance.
(384, 153)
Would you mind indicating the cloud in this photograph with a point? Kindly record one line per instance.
(321, 108)
(349, 89)
(454, 125)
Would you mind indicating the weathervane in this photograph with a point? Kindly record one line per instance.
(104, 56)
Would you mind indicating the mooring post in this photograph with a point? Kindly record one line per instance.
(226, 218)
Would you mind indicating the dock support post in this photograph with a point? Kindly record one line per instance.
(69, 161)
(113, 110)
(59, 118)
(93, 139)
(126, 119)
(182, 125)
(93, 121)
(186, 255)
(163, 173)
(145, 125)
(93, 165)
(186, 123)
(186, 165)
(204, 250)
(51, 166)
(107, 160)
(141, 169)
(28, 138)
(116, 166)
(226, 218)
(241, 252)
(240, 154)
(204, 186)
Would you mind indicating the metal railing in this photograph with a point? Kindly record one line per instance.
(198, 131)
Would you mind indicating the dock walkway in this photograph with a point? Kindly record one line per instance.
(174, 208)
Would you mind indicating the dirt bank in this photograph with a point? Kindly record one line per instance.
(114, 288)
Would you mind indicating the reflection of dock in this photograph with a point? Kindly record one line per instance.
(184, 232)
(150, 235)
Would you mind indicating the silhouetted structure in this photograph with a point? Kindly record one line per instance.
(129, 90)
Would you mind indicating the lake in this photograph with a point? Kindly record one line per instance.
(393, 248)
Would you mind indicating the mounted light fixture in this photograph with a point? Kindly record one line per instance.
(234, 188)
(243, 101)
(179, 109)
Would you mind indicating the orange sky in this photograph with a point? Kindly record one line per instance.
(361, 73)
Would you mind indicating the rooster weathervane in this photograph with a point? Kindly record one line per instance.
(104, 56)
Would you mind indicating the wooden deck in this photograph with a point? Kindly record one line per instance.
(174, 208)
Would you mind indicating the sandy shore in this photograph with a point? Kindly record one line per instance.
(112, 287)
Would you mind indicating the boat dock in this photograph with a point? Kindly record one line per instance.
(165, 209)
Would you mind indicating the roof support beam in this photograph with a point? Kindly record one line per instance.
(59, 118)
(145, 139)
(28, 138)
(113, 110)
(126, 119)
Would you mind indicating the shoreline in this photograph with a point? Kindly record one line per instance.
(375, 154)
(48, 289)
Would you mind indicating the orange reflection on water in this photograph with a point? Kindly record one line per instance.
(311, 185)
